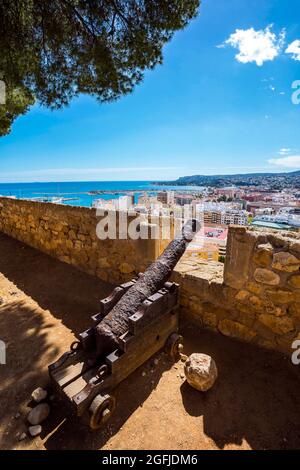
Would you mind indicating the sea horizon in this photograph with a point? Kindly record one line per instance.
(77, 192)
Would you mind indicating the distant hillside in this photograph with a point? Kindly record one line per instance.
(256, 179)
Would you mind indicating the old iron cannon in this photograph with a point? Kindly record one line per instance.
(138, 319)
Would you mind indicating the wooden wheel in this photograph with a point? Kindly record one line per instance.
(174, 346)
(101, 410)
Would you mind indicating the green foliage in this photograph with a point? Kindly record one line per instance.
(18, 101)
(55, 50)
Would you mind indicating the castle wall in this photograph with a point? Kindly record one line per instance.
(256, 299)
(69, 234)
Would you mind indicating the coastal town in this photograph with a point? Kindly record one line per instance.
(261, 201)
(216, 209)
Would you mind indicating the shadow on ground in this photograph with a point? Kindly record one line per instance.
(69, 294)
(256, 397)
(26, 335)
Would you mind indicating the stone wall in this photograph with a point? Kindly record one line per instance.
(69, 234)
(255, 299)
(258, 300)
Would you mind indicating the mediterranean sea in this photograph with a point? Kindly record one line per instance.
(77, 193)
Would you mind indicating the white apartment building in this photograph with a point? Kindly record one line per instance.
(234, 218)
(221, 214)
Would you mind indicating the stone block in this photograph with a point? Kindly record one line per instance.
(254, 288)
(242, 295)
(126, 268)
(196, 306)
(263, 255)
(294, 310)
(245, 316)
(285, 261)
(278, 325)
(265, 306)
(103, 263)
(236, 330)
(265, 276)
(294, 281)
(209, 320)
(280, 296)
(240, 245)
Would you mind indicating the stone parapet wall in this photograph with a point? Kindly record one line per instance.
(69, 234)
(255, 297)
(258, 300)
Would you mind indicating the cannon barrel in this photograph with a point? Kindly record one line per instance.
(116, 322)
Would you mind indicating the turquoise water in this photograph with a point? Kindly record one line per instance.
(78, 190)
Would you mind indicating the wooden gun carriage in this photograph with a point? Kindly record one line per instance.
(88, 386)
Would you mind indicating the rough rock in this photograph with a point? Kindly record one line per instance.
(294, 310)
(38, 414)
(210, 320)
(22, 436)
(284, 261)
(242, 295)
(39, 394)
(254, 288)
(280, 296)
(263, 255)
(35, 430)
(103, 263)
(265, 306)
(236, 330)
(126, 268)
(295, 281)
(278, 325)
(201, 371)
(265, 276)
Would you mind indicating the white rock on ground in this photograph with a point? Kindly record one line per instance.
(39, 394)
(201, 371)
(35, 430)
(38, 414)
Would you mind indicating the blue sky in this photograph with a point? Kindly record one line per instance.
(220, 103)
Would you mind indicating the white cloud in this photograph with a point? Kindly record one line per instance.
(287, 162)
(284, 151)
(294, 49)
(256, 46)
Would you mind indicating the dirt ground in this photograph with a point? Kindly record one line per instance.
(255, 403)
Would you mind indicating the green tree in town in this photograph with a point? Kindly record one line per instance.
(53, 50)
